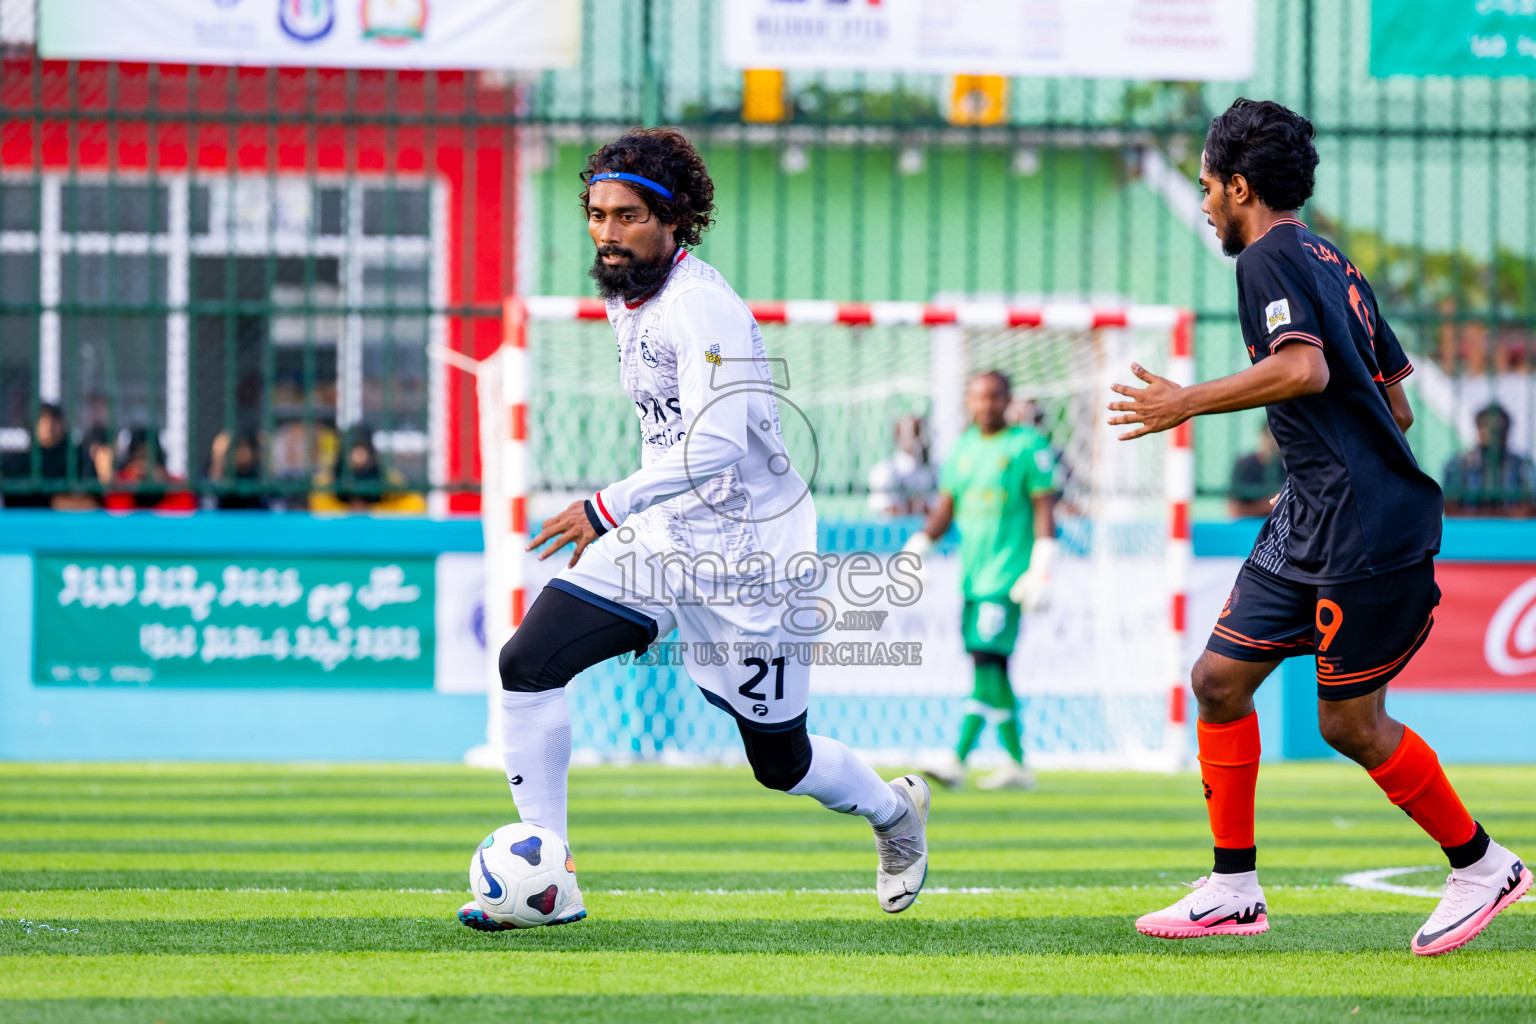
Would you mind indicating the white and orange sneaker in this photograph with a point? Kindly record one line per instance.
(1473, 896)
(1209, 910)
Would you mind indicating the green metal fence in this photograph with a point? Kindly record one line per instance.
(865, 193)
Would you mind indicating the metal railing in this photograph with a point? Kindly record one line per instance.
(208, 252)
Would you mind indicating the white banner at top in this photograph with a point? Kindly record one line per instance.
(467, 34)
(1174, 40)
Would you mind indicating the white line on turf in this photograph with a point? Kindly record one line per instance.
(1377, 880)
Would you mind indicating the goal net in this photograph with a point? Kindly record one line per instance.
(1098, 673)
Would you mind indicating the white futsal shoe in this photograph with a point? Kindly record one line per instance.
(1473, 896)
(1210, 909)
(1009, 776)
(903, 848)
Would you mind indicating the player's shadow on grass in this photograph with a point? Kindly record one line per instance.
(910, 935)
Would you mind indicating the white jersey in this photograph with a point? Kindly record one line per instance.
(716, 481)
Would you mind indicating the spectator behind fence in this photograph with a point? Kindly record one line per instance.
(359, 484)
(98, 456)
(900, 485)
(1256, 478)
(142, 481)
(234, 471)
(59, 465)
(1489, 480)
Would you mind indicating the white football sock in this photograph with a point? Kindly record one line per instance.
(1489, 868)
(840, 781)
(1242, 884)
(536, 748)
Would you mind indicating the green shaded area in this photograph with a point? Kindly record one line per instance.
(770, 1010)
(1000, 936)
(196, 893)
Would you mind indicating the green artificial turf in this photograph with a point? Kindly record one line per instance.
(193, 893)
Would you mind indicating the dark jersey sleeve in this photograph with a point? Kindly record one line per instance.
(1281, 298)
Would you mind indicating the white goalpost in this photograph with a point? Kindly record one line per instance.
(1099, 674)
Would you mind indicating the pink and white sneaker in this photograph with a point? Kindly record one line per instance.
(1208, 910)
(1473, 897)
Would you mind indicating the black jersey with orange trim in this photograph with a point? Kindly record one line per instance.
(1355, 503)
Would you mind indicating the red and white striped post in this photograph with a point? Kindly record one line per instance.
(1180, 467)
(514, 454)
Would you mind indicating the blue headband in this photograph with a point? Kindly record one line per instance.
(626, 176)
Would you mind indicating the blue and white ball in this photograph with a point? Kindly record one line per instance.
(522, 875)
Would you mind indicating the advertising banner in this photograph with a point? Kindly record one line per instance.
(468, 34)
(1485, 630)
(1158, 39)
(1456, 37)
(237, 622)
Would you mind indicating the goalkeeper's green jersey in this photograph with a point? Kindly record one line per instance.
(992, 480)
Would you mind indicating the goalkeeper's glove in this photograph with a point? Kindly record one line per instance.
(919, 544)
(1030, 590)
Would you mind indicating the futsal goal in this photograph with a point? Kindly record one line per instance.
(1099, 674)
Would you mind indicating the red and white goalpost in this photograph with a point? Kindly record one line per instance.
(554, 424)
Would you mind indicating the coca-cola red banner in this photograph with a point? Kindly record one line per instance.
(1485, 630)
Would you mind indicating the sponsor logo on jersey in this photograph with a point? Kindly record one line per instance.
(713, 355)
(394, 21)
(1277, 314)
(646, 354)
(306, 20)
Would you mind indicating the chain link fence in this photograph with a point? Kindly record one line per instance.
(228, 280)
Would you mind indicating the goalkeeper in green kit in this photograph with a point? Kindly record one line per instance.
(999, 485)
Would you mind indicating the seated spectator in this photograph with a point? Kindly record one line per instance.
(142, 481)
(1256, 478)
(98, 456)
(234, 470)
(900, 485)
(60, 478)
(359, 484)
(1489, 480)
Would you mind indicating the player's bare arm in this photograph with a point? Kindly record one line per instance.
(1294, 370)
(1045, 515)
(940, 516)
(1402, 412)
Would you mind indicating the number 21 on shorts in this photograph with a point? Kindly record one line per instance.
(747, 689)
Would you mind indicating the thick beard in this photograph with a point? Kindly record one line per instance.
(632, 280)
(1232, 243)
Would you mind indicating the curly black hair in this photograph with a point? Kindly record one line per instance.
(1270, 146)
(666, 157)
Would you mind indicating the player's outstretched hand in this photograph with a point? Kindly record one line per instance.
(1154, 408)
(569, 527)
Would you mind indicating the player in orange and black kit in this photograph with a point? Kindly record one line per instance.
(1343, 567)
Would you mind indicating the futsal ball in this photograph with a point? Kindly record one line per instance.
(522, 875)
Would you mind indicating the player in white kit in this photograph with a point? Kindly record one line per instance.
(715, 534)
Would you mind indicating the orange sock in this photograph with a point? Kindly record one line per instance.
(1413, 779)
(1229, 767)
